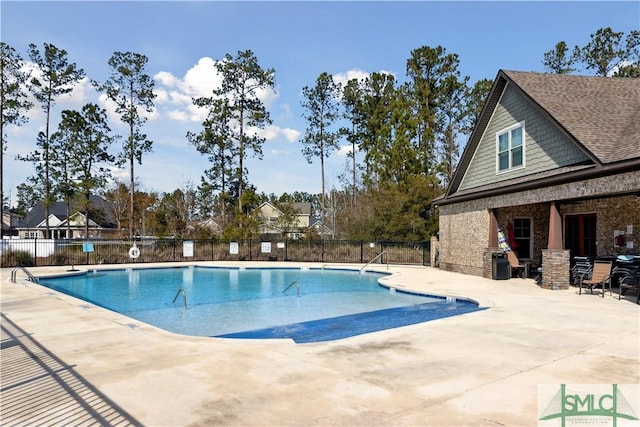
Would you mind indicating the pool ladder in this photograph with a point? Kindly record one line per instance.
(30, 276)
(295, 282)
(184, 297)
(373, 259)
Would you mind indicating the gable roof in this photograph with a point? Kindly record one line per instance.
(37, 214)
(601, 115)
(302, 208)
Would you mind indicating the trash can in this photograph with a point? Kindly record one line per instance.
(499, 266)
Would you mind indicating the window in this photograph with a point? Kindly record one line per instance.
(510, 148)
(523, 236)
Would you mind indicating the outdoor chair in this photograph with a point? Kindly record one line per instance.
(581, 267)
(600, 275)
(630, 281)
(515, 265)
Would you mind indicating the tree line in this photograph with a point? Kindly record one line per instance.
(405, 138)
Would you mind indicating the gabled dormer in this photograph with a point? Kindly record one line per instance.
(539, 127)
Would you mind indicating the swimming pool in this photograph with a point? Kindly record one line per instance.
(299, 303)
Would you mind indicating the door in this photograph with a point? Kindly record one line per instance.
(580, 234)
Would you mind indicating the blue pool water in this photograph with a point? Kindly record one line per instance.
(319, 304)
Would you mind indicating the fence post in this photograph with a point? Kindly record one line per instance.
(174, 249)
(35, 252)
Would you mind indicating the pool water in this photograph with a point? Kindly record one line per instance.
(253, 302)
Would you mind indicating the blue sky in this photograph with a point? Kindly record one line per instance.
(299, 40)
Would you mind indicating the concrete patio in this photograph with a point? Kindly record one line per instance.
(65, 361)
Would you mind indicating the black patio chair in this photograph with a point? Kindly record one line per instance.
(630, 281)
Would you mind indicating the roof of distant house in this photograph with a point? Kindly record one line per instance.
(59, 209)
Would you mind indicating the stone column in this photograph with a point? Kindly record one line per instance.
(556, 264)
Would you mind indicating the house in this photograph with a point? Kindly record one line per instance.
(101, 222)
(319, 228)
(555, 161)
(9, 223)
(273, 220)
(209, 226)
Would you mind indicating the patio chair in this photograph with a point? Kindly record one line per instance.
(630, 281)
(515, 265)
(600, 275)
(581, 267)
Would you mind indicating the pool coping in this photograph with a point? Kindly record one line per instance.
(485, 369)
(303, 328)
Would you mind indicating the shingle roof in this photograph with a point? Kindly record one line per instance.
(59, 209)
(602, 113)
(303, 208)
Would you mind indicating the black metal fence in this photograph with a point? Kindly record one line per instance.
(41, 252)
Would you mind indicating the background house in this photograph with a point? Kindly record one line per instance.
(9, 223)
(291, 220)
(555, 160)
(101, 222)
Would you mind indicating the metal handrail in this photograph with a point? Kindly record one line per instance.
(184, 297)
(30, 276)
(373, 259)
(295, 282)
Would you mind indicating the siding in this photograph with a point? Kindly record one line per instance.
(546, 147)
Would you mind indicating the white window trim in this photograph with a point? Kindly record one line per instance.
(508, 130)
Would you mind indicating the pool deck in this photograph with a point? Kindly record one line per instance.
(65, 361)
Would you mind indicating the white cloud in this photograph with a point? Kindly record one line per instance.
(344, 150)
(198, 81)
(119, 174)
(178, 115)
(178, 93)
(269, 133)
(272, 133)
(110, 108)
(343, 78)
(291, 135)
(161, 96)
(166, 78)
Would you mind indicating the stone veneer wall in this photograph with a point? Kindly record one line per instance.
(555, 269)
(613, 213)
(539, 215)
(463, 237)
(464, 226)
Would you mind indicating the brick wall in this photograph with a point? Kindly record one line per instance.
(463, 237)
(613, 213)
(555, 269)
(464, 226)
